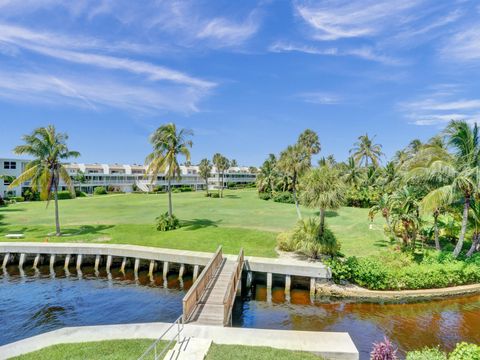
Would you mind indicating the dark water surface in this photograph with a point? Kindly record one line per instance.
(410, 326)
(35, 303)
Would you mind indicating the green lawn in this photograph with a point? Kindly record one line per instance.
(132, 349)
(239, 219)
(105, 350)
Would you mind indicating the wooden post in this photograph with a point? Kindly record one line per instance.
(181, 271)
(36, 261)
(151, 268)
(21, 261)
(67, 262)
(313, 283)
(288, 285)
(109, 263)
(124, 263)
(6, 259)
(79, 262)
(195, 272)
(97, 263)
(136, 266)
(52, 261)
(269, 287)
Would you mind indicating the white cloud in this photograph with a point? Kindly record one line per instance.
(365, 53)
(227, 32)
(89, 93)
(463, 45)
(320, 98)
(440, 105)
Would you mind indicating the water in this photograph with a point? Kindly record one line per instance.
(35, 303)
(409, 326)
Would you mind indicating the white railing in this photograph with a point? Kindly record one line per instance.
(154, 350)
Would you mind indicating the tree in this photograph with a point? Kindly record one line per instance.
(294, 161)
(323, 188)
(233, 163)
(475, 219)
(205, 171)
(253, 170)
(168, 143)
(222, 164)
(352, 174)
(365, 149)
(7, 179)
(310, 142)
(49, 149)
(405, 215)
(382, 205)
(463, 170)
(268, 175)
(79, 178)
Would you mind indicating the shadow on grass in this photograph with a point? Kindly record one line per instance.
(231, 196)
(328, 213)
(196, 224)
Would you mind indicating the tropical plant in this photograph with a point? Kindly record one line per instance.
(293, 162)
(268, 175)
(383, 351)
(49, 149)
(168, 143)
(475, 219)
(234, 163)
(205, 171)
(8, 179)
(365, 150)
(167, 222)
(352, 174)
(405, 215)
(323, 188)
(310, 241)
(426, 354)
(222, 164)
(253, 170)
(309, 141)
(382, 205)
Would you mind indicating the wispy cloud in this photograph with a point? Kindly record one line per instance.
(440, 105)
(366, 53)
(464, 45)
(228, 33)
(320, 98)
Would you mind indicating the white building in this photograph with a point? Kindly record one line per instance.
(124, 177)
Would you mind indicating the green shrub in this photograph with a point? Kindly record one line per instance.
(166, 222)
(465, 351)
(264, 196)
(284, 197)
(30, 195)
(426, 354)
(18, 199)
(215, 195)
(79, 193)
(309, 242)
(100, 190)
(286, 242)
(64, 195)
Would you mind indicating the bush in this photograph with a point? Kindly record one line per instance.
(426, 354)
(100, 190)
(79, 193)
(284, 197)
(465, 351)
(215, 195)
(64, 195)
(18, 198)
(30, 195)
(309, 242)
(166, 222)
(383, 351)
(286, 242)
(264, 196)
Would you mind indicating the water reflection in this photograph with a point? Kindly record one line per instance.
(34, 301)
(410, 326)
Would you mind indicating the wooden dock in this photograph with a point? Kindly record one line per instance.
(210, 299)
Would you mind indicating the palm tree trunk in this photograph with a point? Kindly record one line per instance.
(206, 184)
(299, 214)
(321, 229)
(475, 243)
(57, 218)
(170, 208)
(435, 231)
(466, 207)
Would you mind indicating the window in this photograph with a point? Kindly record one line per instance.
(6, 182)
(9, 165)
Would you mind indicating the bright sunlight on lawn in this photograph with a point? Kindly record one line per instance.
(238, 220)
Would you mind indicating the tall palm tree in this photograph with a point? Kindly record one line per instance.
(49, 149)
(168, 143)
(205, 171)
(323, 188)
(268, 175)
(294, 161)
(405, 214)
(365, 149)
(382, 205)
(222, 164)
(234, 163)
(464, 171)
(352, 174)
(310, 142)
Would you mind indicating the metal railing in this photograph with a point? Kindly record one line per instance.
(196, 291)
(153, 349)
(230, 294)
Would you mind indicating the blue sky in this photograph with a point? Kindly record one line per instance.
(246, 76)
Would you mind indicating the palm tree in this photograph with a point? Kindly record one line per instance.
(365, 149)
(222, 164)
(234, 163)
(475, 216)
(7, 180)
(268, 175)
(253, 170)
(310, 142)
(293, 162)
(352, 174)
(323, 188)
(205, 171)
(463, 170)
(405, 214)
(168, 143)
(49, 149)
(382, 205)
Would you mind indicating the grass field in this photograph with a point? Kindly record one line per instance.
(132, 349)
(238, 220)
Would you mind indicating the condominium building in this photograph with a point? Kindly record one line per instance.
(125, 178)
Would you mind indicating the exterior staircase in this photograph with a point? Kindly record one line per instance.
(143, 185)
(189, 349)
